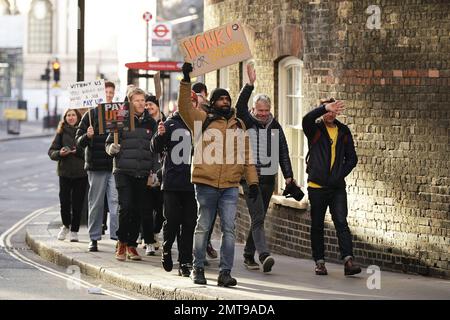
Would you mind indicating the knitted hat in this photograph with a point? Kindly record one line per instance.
(216, 94)
(151, 98)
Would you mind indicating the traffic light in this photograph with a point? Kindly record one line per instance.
(56, 70)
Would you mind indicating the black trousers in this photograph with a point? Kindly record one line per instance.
(320, 200)
(180, 211)
(133, 203)
(71, 197)
(153, 202)
(158, 216)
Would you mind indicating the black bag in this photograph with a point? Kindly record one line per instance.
(293, 191)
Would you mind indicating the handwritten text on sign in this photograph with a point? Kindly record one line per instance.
(216, 48)
(87, 94)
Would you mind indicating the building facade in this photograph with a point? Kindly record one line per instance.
(50, 34)
(388, 61)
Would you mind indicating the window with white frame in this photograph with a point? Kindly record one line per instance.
(290, 114)
(40, 27)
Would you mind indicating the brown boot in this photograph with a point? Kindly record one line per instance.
(121, 251)
(350, 268)
(320, 269)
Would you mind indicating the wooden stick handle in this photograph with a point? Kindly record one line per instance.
(116, 136)
(90, 118)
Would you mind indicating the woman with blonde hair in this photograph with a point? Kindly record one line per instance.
(72, 176)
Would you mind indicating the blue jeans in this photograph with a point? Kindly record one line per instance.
(210, 200)
(101, 183)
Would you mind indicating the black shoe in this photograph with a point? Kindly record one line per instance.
(350, 268)
(198, 275)
(250, 263)
(93, 246)
(166, 260)
(321, 270)
(206, 263)
(268, 263)
(185, 270)
(226, 280)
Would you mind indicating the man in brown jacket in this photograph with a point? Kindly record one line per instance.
(220, 161)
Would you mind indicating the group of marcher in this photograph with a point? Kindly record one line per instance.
(176, 174)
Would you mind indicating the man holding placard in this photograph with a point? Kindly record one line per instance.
(98, 164)
(133, 162)
(216, 177)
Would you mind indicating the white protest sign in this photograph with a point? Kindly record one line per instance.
(87, 94)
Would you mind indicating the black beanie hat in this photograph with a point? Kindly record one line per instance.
(216, 94)
(150, 98)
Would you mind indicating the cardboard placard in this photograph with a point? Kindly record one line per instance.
(87, 94)
(115, 116)
(216, 48)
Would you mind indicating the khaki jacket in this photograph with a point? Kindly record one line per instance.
(216, 163)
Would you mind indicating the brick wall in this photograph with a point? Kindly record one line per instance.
(395, 81)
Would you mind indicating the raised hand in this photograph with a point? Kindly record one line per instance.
(251, 72)
(335, 107)
(187, 69)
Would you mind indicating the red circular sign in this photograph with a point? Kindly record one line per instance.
(161, 30)
(147, 16)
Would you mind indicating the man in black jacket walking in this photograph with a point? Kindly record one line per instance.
(133, 163)
(180, 206)
(98, 165)
(265, 133)
(332, 157)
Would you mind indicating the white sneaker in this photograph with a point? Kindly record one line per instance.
(63, 233)
(150, 250)
(73, 236)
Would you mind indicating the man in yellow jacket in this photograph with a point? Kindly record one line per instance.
(220, 161)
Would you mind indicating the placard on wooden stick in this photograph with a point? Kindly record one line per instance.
(115, 116)
(216, 48)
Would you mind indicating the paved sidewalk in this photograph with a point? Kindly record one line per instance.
(28, 129)
(290, 278)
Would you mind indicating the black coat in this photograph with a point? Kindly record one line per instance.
(96, 158)
(319, 161)
(251, 123)
(175, 177)
(72, 165)
(135, 158)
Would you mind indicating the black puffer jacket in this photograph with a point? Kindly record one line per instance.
(176, 177)
(96, 158)
(319, 161)
(135, 158)
(70, 166)
(265, 133)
